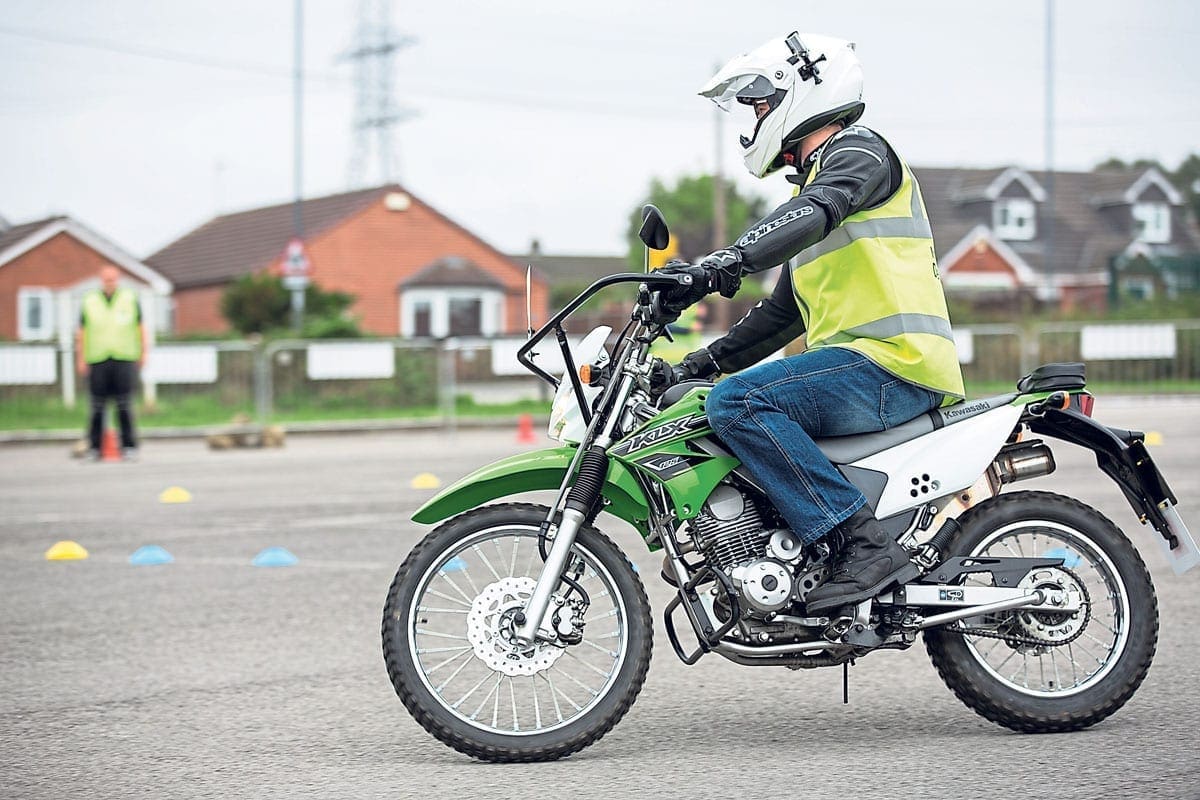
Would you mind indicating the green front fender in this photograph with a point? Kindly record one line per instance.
(528, 472)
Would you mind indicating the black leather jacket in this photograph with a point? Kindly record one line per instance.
(859, 170)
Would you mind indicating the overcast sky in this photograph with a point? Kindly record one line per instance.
(537, 119)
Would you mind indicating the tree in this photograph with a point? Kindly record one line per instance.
(255, 303)
(688, 208)
(259, 303)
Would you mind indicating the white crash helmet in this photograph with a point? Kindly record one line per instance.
(807, 81)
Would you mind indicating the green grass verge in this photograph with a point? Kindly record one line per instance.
(203, 410)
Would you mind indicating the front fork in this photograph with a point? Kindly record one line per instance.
(585, 486)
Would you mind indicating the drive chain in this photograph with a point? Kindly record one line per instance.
(1016, 639)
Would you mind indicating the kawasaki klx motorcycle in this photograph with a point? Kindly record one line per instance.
(520, 632)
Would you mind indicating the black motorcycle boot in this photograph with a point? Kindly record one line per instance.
(869, 561)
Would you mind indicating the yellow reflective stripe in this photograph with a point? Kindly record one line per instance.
(895, 325)
(884, 228)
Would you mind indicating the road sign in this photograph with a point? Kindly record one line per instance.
(295, 260)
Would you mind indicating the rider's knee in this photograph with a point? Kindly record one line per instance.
(724, 402)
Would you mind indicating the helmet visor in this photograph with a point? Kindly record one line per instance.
(745, 89)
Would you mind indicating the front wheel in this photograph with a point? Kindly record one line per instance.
(1041, 671)
(449, 649)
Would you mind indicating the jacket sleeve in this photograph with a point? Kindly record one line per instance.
(769, 325)
(856, 167)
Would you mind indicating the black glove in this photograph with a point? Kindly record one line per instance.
(697, 365)
(725, 270)
(717, 272)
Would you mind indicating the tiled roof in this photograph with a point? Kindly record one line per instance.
(452, 271)
(234, 244)
(1085, 237)
(573, 269)
(16, 233)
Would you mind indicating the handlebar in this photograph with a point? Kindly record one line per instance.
(555, 322)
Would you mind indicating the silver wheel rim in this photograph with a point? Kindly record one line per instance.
(1070, 668)
(470, 585)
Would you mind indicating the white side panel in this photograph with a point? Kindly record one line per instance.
(27, 365)
(181, 364)
(940, 462)
(350, 360)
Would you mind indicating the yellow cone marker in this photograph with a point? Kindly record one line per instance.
(426, 480)
(1153, 438)
(175, 494)
(66, 551)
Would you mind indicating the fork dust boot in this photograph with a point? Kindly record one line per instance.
(869, 561)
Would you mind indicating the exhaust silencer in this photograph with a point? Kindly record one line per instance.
(1023, 461)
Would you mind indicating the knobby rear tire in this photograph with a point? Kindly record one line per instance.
(1005, 705)
(487, 745)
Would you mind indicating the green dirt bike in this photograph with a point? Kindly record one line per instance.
(518, 632)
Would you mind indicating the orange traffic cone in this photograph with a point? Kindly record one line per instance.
(525, 429)
(108, 446)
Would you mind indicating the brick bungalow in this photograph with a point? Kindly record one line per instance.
(413, 271)
(991, 230)
(46, 267)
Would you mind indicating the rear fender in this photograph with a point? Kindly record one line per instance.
(533, 471)
(1122, 456)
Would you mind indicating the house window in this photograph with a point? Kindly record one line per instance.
(466, 316)
(1014, 218)
(1152, 222)
(35, 314)
(452, 311)
(422, 314)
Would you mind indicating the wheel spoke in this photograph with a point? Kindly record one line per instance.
(453, 675)
(447, 579)
(485, 561)
(553, 694)
(426, 650)
(447, 597)
(441, 664)
(424, 632)
(512, 693)
(432, 610)
(487, 696)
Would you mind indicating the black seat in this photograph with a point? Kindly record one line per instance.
(848, 449)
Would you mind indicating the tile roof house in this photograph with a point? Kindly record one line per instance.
(413, 271)
(46, 266)
(991, 229)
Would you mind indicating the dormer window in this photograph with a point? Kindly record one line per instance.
(1152, 222)
(1015, 219)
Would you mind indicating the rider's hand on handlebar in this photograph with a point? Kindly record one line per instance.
(696, 365)
(720, 271)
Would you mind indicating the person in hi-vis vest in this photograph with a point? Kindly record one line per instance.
(110, 347)
(863, 289)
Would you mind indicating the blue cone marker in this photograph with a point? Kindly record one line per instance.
(455, 564)
(150, 555)
(1070, 558)
(275, 557)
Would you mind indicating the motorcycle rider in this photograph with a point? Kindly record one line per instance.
(863, 288)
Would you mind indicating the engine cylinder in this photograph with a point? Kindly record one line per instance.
(729, 529)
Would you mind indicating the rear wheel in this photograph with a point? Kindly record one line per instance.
(1045, 671)
(448, 639)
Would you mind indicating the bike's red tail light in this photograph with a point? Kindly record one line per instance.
(1086, 401)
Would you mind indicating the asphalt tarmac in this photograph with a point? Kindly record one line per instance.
(209, 677)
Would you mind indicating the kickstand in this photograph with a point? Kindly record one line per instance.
(846, 682)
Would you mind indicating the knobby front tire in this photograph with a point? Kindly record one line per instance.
(448, 662)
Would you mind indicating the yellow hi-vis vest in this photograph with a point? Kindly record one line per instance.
(110, 327)
(872, 286)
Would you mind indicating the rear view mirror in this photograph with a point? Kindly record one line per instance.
(654, 233)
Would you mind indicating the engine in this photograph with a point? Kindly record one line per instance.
(730, 531)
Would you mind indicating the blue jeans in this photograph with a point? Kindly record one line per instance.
(769, 414)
